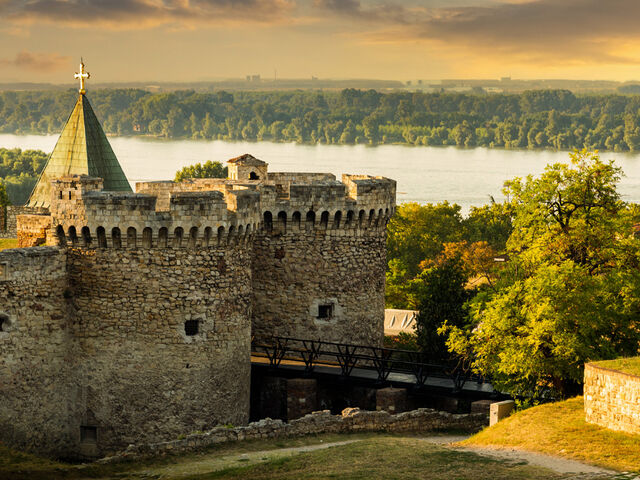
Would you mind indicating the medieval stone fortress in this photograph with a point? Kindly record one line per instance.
(131, 318)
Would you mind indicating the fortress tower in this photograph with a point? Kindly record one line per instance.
(134, 324)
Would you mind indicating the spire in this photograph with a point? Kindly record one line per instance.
(82, 149)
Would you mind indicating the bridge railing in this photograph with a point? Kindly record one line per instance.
(348, 357)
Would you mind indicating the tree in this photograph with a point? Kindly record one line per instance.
(571, 290)
(207, 170)
(416, 233)
(439, 293)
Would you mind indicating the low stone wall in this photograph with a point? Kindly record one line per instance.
(612, 399)
(32, 230)
(10, 227)
(352, 420)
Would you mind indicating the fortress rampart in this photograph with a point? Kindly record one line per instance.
(149, 300)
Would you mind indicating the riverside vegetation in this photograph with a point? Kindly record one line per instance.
(533, 119)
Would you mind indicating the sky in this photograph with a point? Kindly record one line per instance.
(200, 40)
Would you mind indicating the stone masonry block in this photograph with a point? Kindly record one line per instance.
(500, 410)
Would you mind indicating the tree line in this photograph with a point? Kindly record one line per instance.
(533, 119)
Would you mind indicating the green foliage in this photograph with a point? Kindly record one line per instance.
(533, 119)
(207, 170)
(571, 290)
(419, 233)
(4, 198)
(19, 171)
(439, 294)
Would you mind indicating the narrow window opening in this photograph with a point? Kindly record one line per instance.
(325, 311)
(4, 323)
(254, 176)
(88, 434)
(191, 327)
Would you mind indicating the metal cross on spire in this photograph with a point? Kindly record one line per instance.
(82, 76)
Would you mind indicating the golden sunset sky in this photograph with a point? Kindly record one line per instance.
(195, 40)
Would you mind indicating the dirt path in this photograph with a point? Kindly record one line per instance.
(212, 463)
(557, 464)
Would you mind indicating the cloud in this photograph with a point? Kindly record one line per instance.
(37, 62)
(574, 31)
(136, 14)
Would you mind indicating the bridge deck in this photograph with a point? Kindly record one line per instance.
(395, 379)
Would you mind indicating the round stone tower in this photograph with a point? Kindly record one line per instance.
(162, 302)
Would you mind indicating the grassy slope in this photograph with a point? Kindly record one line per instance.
(626, 365)
(374, 456)
(560, 429)
(8, 243)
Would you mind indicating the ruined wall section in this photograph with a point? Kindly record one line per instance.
(320, 260)
(36, 350)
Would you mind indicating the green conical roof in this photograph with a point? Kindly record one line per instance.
(82, 149)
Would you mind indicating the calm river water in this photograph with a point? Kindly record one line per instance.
(424, 174)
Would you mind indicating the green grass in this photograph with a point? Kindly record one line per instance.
(367, 457)
(560, 429)
(382, 457)
(8, 243)
(629, 365)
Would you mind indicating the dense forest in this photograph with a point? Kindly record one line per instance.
(533, 119)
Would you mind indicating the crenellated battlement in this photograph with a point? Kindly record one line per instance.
(85, 215)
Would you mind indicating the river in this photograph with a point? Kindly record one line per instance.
(424, 174)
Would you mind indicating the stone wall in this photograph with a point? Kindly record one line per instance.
(36, 350)
(10, 230)
(352, 420)
(140, 375)
(300, 272)
(33, 230)
(612, 399)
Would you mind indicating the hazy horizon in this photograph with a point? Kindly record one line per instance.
(41, 41)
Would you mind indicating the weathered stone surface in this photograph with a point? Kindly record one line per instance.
(33, 230)
(139, 329)
(612, 399)
(8, 229)
(352, 420)
(35, 350)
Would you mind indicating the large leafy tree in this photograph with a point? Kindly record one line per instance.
(571, 290)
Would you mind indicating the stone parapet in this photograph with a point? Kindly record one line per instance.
(352, 420)
(84, 215)
(612, 399)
